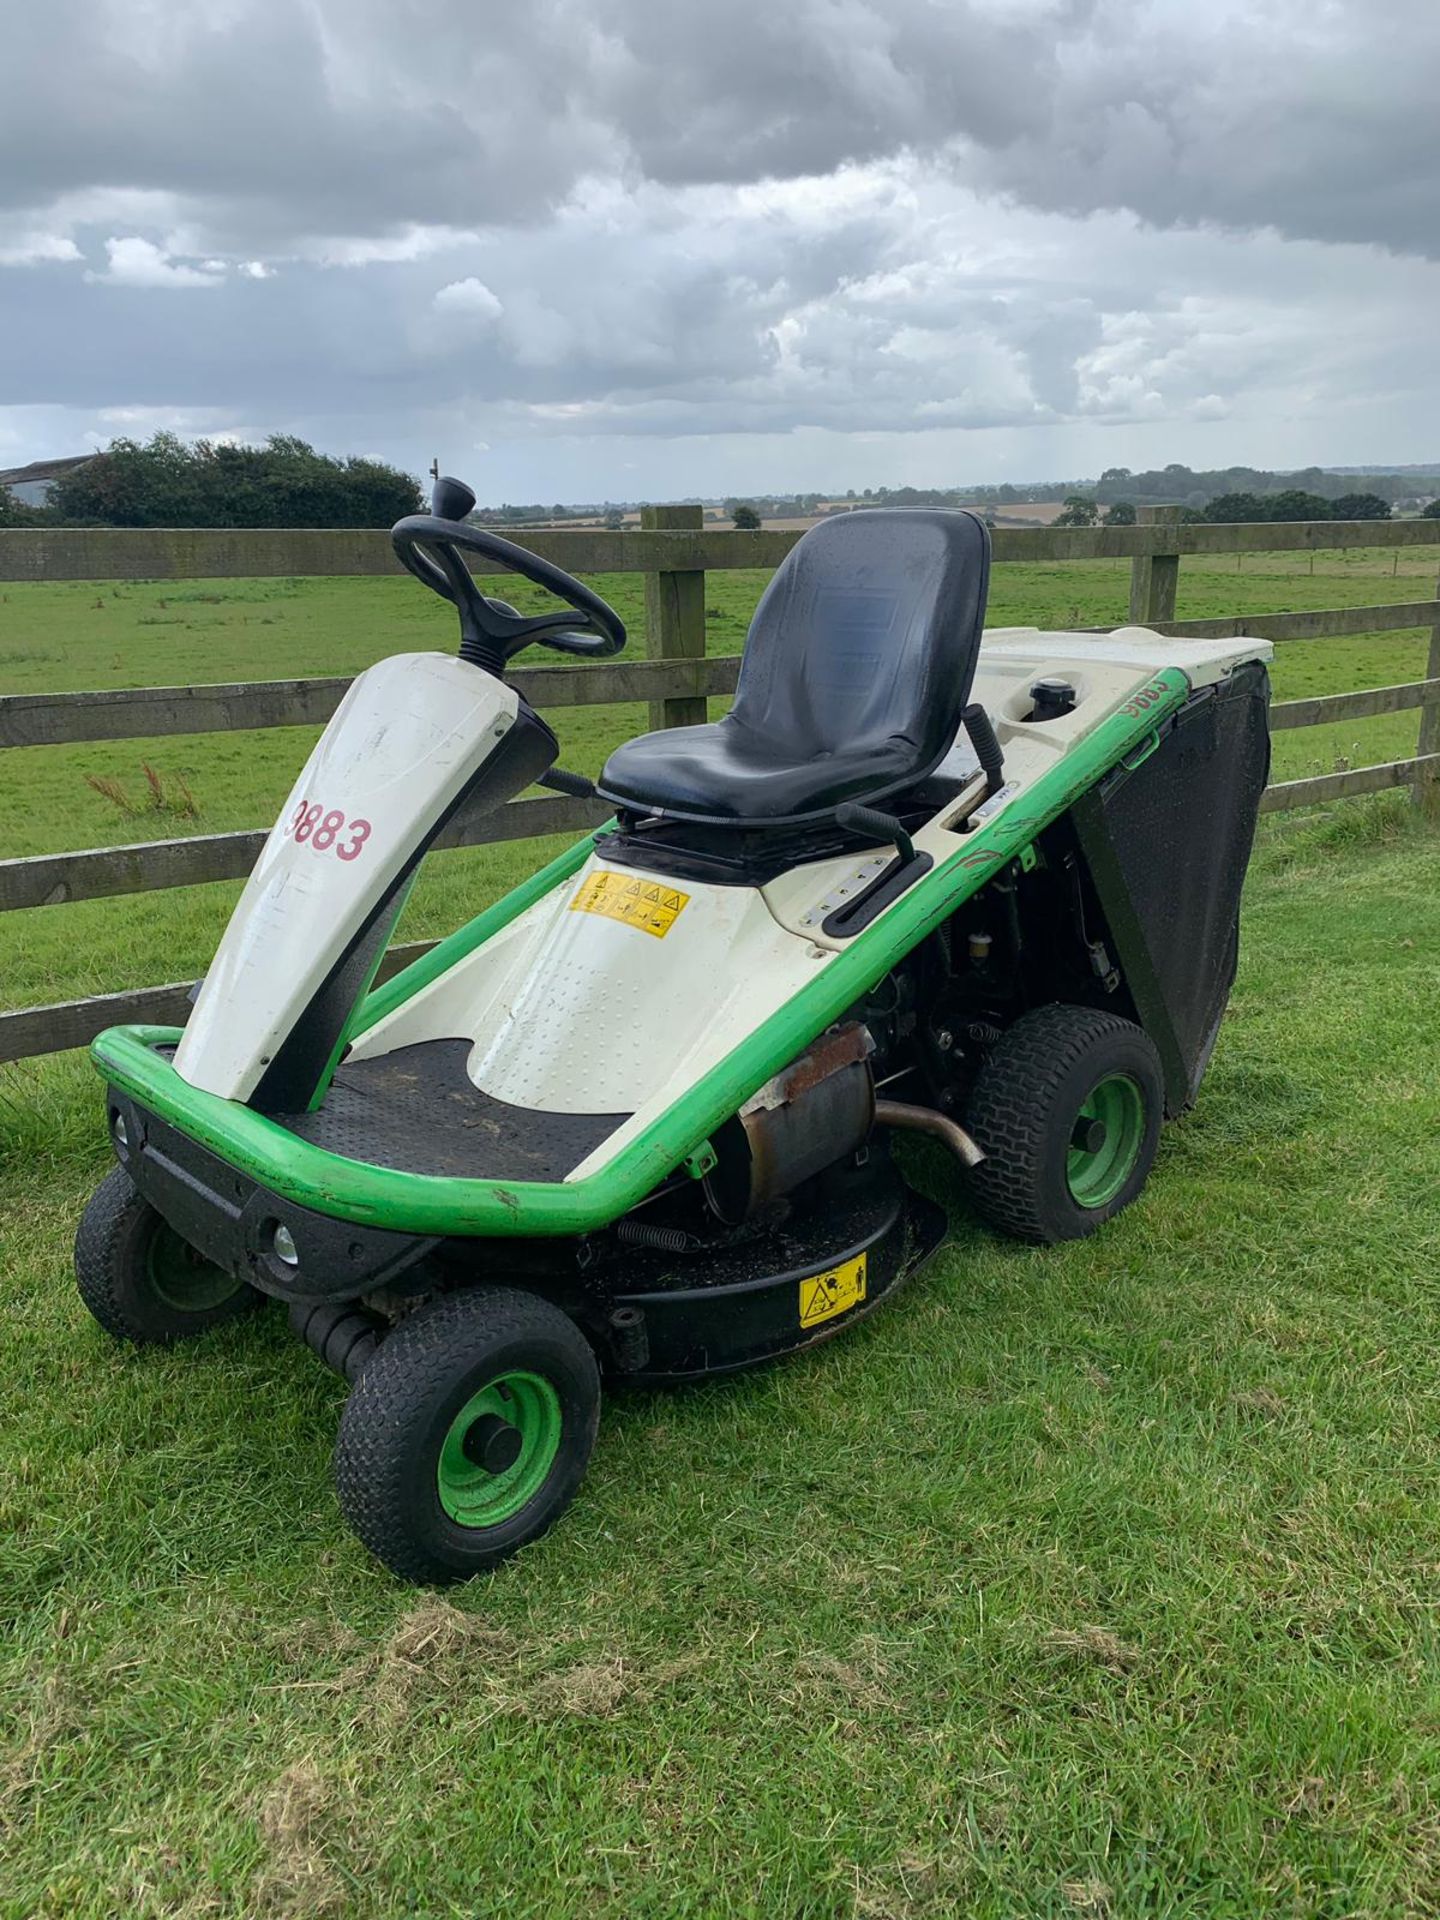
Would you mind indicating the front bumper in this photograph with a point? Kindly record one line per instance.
(231, 1218)
(136, 1064)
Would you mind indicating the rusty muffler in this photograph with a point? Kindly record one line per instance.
(816, 1111)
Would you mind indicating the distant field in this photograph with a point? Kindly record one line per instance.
(82, 635)
(1037, 513)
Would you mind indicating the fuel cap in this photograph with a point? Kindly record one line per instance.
(1053, 697)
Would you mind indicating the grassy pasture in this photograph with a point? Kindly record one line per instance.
(87, 634)
(1095, 1581)
(1090, 1582)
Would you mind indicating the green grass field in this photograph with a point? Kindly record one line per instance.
(1096, 1581)
(84, 634)
(1092, 1581)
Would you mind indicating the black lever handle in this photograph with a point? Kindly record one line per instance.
(988, 750)
(575, 784)
(875, 826)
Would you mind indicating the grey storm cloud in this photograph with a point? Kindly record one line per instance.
(609, 220)
(268, 123)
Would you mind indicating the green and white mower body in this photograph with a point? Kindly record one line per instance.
(987, 892)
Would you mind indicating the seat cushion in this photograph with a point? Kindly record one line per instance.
(857, 665)
(722, 772)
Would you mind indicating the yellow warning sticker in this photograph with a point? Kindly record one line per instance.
(824, 1295)
(631, 898)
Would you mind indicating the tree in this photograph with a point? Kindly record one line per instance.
(1228, 507)
(285, 483)
(1432, 512)
(1079, 511)
(745, 517)
(614, 519)
(14, 513)
(1360, 506)
(130, 485)
(1295, 504)
(1122, 514)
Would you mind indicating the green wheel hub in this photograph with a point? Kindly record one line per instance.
(499, 1450)
(184, 1279)
(1105, 1143)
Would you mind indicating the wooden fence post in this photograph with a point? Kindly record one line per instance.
(1427, 787)
(1154, 576)
(675, 616)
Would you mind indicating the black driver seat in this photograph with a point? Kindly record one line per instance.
(857, 665)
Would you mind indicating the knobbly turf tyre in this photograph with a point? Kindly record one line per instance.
(140, 1280)
(1048, 1175)
(428, 1467)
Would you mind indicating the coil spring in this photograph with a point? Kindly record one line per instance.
(639, 1233)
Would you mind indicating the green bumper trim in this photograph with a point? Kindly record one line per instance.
(429, 1204)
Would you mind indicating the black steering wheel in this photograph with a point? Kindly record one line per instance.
(491, 633)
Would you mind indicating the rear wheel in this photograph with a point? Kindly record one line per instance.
(140, 1280)
(468, 1433)
(1067, 1110)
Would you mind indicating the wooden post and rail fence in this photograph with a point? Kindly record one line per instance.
(674, 551)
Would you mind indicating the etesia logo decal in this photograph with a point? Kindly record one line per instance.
(632, 899)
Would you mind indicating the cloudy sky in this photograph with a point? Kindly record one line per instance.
(639, 248)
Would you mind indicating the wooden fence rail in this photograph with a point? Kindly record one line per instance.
(95, 873)
(144, 713)
(165, 553)
(674, 552)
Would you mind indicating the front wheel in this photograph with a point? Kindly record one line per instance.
(1067, 1109)
(140, 1280)
(468, 1433)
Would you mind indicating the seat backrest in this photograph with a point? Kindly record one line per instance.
(867, 635)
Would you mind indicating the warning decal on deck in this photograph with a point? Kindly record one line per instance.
(632, 898)
(824, 1295)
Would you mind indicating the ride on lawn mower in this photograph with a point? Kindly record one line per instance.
(635, 1120)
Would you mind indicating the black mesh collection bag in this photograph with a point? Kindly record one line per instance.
(1167, 839)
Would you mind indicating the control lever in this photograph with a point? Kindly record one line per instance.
(883, 827)
(575, 784)
(892, 880)
(988, 750)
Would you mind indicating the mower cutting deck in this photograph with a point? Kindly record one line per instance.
(636, 1120)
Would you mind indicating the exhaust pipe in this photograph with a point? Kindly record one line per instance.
(899, 1113)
